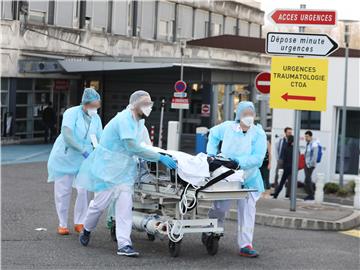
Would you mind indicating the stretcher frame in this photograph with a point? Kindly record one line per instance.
(161, 197)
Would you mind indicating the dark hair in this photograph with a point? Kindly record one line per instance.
(290, 139)
(308, 133)
(287, 128)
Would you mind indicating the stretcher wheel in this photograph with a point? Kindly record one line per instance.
(212, 244)
(113, 231)
(174, 248)
(151, 237)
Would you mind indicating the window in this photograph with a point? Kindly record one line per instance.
(243, 28)
(206, 29)
(216, 29)
(166, 30)
(310, 120)
(352, 142)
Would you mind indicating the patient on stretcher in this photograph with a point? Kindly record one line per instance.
(195, 169)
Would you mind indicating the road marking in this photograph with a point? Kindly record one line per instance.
(354, 233)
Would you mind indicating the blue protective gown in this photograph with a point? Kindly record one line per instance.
(114, 161)
(65, 159)
(248, 149)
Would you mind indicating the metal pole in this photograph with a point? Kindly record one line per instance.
(343, 118)
(295, 156)
(180, 110)
(161, 123)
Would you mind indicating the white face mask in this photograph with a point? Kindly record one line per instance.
(92, 112)
(247, 120)
(146, 110)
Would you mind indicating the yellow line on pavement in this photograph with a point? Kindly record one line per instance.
(354, 233)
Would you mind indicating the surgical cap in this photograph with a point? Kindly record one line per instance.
(137, 97)
(243, 105)
(89, 96)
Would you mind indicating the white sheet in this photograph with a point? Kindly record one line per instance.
(194, 169)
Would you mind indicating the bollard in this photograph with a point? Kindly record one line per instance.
(357, 193)
(283, 190)
(319, 192)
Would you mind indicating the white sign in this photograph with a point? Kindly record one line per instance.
(180, 94)
(180, 103)
(300, 44)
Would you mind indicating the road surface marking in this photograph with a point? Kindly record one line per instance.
(354, 233)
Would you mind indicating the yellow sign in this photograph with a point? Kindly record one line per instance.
(298, 83)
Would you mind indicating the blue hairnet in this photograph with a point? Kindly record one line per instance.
(243, 105)
(89, 96)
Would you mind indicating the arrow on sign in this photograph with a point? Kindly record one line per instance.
(286, 97)
(300, 44)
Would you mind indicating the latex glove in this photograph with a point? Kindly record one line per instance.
(168, 161)
(85, 154)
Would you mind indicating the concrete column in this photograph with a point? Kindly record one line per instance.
(319, 192)
(214, 104)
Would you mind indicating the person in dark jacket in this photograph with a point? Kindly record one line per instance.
(49, 120)
(288, 153)
(265, 167)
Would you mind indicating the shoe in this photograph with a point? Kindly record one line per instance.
(84, 238)
(78, 228)
(248, 251)
(63, 231)
(127, 251)
(309, 198)
(274, 195)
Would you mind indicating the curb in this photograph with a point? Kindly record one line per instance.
(298, 223)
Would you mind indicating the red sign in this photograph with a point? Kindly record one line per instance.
(262, 82)
(180, 86)
(304, 17)
(180, 103)
(205, 110)
(61, 85)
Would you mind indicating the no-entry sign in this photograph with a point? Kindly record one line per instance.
(205, 110)
(299, 83)
(262, 82)
(306, 17)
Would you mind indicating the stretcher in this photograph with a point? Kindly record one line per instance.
(165, 206)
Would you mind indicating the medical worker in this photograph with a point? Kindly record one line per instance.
(111, 170)
(245, 143)
(81, 128)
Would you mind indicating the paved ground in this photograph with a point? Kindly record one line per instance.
(27, 204)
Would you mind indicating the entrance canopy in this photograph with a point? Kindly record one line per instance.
(93, 66)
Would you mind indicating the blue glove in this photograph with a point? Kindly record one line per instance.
(168, 162)
(85, 154)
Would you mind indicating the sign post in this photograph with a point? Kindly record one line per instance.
(300, 44)
(298, 83)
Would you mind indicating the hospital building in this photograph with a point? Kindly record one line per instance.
(51, 50)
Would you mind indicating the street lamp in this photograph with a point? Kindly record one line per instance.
(343, 118)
